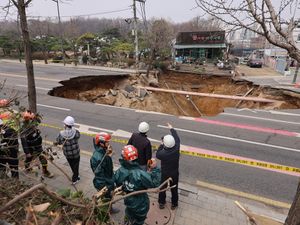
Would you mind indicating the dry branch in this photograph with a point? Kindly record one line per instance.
(43, 188)
(151, 190)
(57, 219)
(232, 97)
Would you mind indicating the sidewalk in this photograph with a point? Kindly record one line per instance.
(267, 77)
(197, 206)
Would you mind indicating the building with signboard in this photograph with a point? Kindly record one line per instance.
(201, 44)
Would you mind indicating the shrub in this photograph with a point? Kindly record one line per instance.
(161, 65)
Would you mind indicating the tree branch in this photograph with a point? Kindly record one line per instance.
(28, 2)
(43, 188)
(151, 190)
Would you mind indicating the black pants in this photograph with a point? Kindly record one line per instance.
(174, 191)
(74, 164)
(13, 162)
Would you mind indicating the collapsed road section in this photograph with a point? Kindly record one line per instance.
(176, 93)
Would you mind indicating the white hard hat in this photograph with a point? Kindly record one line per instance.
(169, 141)
(69, 120)
(143, 127)
(1, 122)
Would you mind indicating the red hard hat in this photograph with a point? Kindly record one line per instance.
(129, 153)
(102, 137)
(5, 115)
(28, 115)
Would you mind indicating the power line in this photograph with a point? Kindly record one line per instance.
(84, 15)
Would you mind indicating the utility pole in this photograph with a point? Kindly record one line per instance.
(60, 31)
(136, 41)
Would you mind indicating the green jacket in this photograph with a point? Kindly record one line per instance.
(133, 178)
(104, 171)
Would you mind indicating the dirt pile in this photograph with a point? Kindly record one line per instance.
(121, 91)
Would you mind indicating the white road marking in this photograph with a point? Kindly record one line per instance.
(40, 88)
(112, 106)
(234, 139)
(126, 134)
(122, 133)
(86, 129)
(260, 118)
(246, 109)
(54, 107)
(152, 112)
(279, 113)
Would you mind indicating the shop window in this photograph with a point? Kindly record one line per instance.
(201, 53)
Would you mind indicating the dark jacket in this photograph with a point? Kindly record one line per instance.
(133, 178)
(9, 140)
(68, 138)
(104, 171)
(169, 157)
(31, 139)
(143, 145)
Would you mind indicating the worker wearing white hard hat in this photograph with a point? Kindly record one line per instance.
(141, 142)
(168, 153)
(68, 138)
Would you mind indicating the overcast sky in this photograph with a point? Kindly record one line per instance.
(174, 10)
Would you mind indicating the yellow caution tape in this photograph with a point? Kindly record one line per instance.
(207, 156)
(243, 161)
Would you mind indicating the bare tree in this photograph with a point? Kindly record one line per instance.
(21, 6)
(274, 20)
(41, 30)
(198, 24)
(159, 38)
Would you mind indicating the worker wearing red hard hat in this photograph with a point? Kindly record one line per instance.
(133, 178)
(101, 163)
(31, 140)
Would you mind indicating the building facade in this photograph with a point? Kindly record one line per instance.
(199, 45)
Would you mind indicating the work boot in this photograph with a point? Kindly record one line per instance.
(76, 180)
(173, 207)
(47, 173)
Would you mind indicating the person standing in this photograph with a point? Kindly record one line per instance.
(143, 145)
(9, 150)
(101, 163)
(68, 138)
(168, 153)
(132, 178)
(32, 141)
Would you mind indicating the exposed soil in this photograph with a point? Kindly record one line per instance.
(97, 89)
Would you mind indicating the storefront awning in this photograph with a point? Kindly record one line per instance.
(200, 46)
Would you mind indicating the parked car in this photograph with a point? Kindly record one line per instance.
(255, 63)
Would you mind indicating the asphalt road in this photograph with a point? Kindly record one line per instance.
(268, 136)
